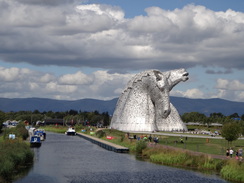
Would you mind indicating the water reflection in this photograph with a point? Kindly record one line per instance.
(71, 159)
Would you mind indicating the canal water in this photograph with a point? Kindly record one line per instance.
(72, 159)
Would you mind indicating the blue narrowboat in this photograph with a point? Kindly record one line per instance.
(40, 133)
(35, 141)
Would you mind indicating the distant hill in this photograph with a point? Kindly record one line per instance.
(183, 105)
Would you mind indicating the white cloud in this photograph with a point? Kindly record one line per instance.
(229, 84)
(47, 78)
(230, 90)
(99, 36)
(54, 87)
(22, 83)
(68, 33)
(9, 74)
(14, 73)
(190, 93)
(78, 78)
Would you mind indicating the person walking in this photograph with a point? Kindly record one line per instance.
(231, 152)
(240, 154)
(237, 155)
(227, 153)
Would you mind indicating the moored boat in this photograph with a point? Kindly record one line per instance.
(41, 133)
(70, 131)
(35, 141)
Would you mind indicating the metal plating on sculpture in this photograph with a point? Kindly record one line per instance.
(145, 106)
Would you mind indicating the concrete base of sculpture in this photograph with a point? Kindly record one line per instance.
(144, 105)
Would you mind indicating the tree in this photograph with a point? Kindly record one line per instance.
(194, 117)
(216, 115)
(242, 117)
(231, 131)
(234, 115)
(2, 118)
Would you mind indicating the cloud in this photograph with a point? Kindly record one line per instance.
(47, 2)
(211, 71)
(229, 84)
(12, 74)
(65, 33)
(77, 78)
(230, 89)
(24, 83)
(190, 93)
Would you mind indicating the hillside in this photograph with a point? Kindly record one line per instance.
(183, 105)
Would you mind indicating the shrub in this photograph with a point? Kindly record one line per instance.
(140, 145)
(233, 170)
(100, 134)
(13, 153)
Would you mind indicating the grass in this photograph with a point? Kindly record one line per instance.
(54, 128)
(233, 170)
(13, 154)
(180, 158)
(210, 146)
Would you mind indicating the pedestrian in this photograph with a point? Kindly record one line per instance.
(155, 140)
(231, 152)
(237, 156)
(240, 154)
(181, 140)
(150, 138)
(145, 138)
(227, 153)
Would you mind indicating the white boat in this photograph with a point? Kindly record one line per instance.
(70, 131)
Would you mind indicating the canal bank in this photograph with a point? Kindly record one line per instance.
(65, 159)
(230, 169)
(104, 144)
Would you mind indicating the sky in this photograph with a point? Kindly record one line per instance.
(76, 49)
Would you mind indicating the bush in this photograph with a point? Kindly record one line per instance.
(140, 145)
(13, 153)
(168, 156)
(100, 134)
(233, 170)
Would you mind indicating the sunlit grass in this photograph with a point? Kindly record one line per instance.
(205, 145)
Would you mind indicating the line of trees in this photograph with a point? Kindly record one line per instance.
(213, 118)
(33, 116)
(233, 125)
(104, 118)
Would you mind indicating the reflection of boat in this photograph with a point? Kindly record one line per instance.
(70, 131)
(35, 141)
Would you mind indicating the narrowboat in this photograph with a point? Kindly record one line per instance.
(41, 133)
(35, 141)
(70, 131)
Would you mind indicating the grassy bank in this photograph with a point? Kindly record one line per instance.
(183, 154)
(15, 154)
(54, 128)
(181, 158)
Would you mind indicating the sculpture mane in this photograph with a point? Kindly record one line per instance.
(144, 105)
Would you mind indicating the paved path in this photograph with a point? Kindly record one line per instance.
(183, 135)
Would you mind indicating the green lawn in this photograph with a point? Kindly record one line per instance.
(210, 146)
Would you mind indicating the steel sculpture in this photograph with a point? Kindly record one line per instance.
(144, 105)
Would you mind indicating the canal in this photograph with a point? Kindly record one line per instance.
(72, 159)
